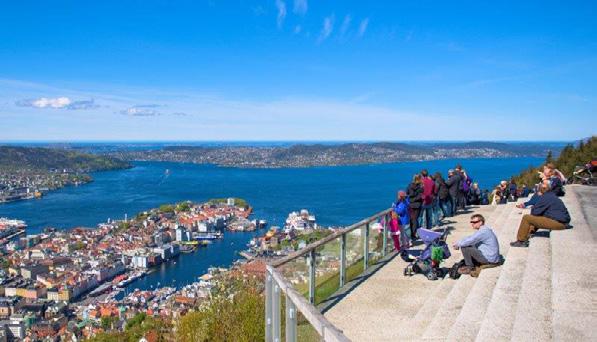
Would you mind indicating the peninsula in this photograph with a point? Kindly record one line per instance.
(28, 172)
(308, 155)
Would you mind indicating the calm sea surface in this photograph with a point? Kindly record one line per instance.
(336, 195)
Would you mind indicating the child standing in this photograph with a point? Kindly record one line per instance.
(395, 230)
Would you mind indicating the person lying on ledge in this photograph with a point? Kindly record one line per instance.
(480, 248)
(548, 213)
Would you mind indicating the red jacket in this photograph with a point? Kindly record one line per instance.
(428, 190)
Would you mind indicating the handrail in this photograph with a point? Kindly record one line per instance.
(335, 235)
(296, 302)
(321, 324)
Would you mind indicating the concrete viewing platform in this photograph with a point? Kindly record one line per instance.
(545, 292)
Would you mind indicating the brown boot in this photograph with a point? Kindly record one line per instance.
(465, 269)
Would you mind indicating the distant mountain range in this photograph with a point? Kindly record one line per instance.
(306, 155)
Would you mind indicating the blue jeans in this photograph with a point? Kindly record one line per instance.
(427, 215)
(446, 206)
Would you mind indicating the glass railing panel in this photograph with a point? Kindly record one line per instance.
(327, 270)
(305, 331)
(296, 272)
(354, 253)
(376, 231)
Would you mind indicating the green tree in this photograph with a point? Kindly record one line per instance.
(107, 322)
(165, 208)
(235, 312)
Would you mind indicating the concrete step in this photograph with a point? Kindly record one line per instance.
(574, 277)
(535, 294)
(469, 319)
(499, 317)
(416, 326)
(448, 310)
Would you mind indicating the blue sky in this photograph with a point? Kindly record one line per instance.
(297, 70)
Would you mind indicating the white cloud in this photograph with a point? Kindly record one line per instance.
(141, 110)
(345, 24)
(281, 6)
(363, 26)
(328, 27)
(297, 29)
(300, 7)
(62, 102)
(46, 102)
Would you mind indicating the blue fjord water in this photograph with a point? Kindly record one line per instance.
(336, 195)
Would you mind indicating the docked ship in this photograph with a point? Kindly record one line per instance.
(208, 236)
(259, 224)
(10, 227)
(300, 221)
(131, 278)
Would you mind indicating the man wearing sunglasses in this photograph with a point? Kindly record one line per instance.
(480, 248)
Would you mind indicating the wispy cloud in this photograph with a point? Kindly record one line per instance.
(328, 27)
(409, 35)
(297, 29)
(82, 105)
(451, 46)
(258, 10)
(300, 7)
(62, 102)
(488, 81)
(281, 6)
(345, 24)
(142, 110)
(45, 102)
(363, 27)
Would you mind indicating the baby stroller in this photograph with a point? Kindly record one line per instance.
(436, 250)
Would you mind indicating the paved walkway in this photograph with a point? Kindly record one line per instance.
(545, 292)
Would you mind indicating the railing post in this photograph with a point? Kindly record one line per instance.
(385, 234)
(366, 248)
(343, 260)
(276, 319)
(268, 307)
(312, 276)
(290, 320)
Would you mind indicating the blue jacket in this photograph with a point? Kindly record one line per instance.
(402, 208)
(485, 241)
(550, 206)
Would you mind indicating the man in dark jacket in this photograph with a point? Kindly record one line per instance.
(443, 195)
(548, 213)
(415, 197)
(453, 184)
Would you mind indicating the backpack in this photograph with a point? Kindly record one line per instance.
(453, 273)
(465, 185)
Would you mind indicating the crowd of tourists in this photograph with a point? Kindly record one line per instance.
(430, 198)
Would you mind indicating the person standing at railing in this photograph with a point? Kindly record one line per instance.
(402, 208)
(442, 195)
(395, 230)
(415, 197)
(427, 201)
(453, 184)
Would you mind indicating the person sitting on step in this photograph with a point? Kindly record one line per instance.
(480, 248)
(548, 213)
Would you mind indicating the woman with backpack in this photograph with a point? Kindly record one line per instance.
(415, 197)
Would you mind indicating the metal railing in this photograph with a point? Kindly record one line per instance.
(286, 276)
